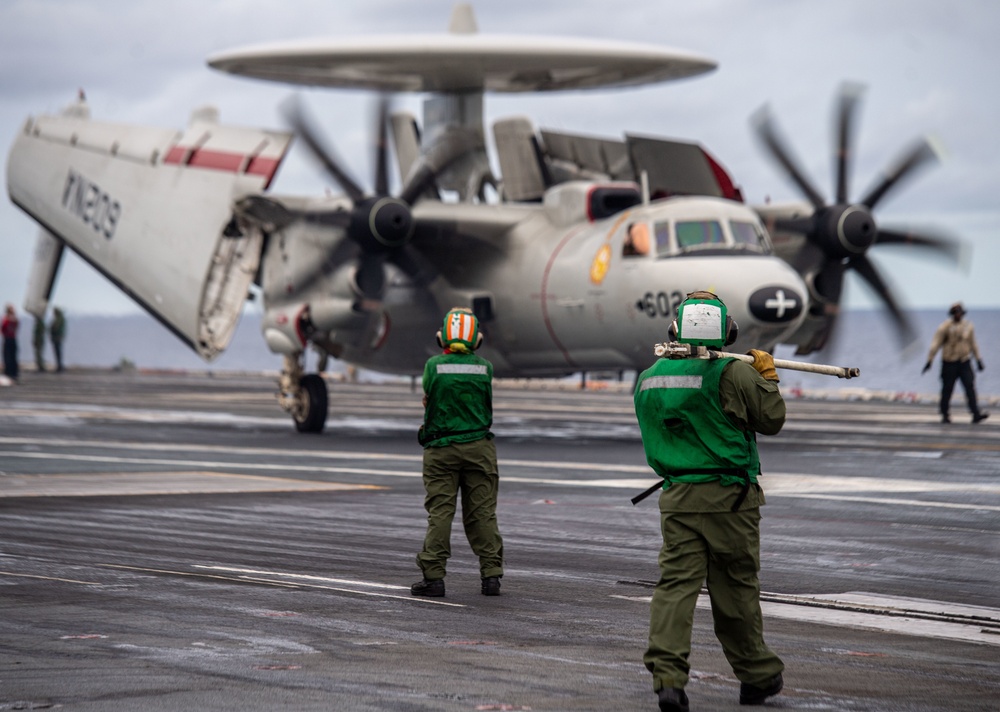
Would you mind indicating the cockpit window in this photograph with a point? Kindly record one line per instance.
(747, 235)
(694, 234)
(710, 236)
(663, 245)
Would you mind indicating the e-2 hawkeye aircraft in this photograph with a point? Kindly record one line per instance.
(574, 256)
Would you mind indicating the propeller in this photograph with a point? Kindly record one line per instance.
(839, 234)
(379, 224)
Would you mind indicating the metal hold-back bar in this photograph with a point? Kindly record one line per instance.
(678, 350)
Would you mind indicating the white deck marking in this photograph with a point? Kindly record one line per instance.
(314, 581)
(48, 578)
(281, 579)
(805, 486)
(304, 577)
(158, 483)
(889, 614)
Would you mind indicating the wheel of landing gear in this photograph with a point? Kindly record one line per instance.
(311, 417)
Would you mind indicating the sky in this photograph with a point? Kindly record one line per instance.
(928, 68)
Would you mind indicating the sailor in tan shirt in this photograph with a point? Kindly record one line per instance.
(956, 338)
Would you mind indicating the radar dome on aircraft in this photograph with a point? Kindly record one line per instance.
(461, 61)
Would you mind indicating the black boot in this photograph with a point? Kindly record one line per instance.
(428, 587)
(672, 699)
(491, 586)
(753, 695)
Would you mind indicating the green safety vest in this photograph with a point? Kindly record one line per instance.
(686, 434)
(459, 390)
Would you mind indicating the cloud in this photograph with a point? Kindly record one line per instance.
(926, 67)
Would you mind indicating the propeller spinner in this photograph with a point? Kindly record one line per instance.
(380, 225)
(840, 234)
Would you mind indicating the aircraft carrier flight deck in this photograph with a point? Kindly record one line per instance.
(169, 542)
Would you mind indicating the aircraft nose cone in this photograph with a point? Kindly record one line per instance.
(776, 305)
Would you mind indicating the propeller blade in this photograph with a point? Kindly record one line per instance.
(382, 148)
(768, 133)
(270, 214)
(344, 251)
(370, 277)
(295, 115)
(829, 282)
(864, 267)
(334, 218)
(922, 153)
(850, 97)
(943, 245)
(800, 225)
(455, 146)
(413, 264)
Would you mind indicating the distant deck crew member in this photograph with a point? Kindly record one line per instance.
(956, 338)
(38, 343)
(57, 332)
(9, 329)
(459, 456)
(699, 419)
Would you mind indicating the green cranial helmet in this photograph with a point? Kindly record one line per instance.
(460, 331)
(703, 320)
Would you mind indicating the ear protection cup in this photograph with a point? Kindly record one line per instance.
(732, 330)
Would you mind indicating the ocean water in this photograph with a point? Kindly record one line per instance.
(865, 339)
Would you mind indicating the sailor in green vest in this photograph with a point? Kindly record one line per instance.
(699, 419)
(459, 456)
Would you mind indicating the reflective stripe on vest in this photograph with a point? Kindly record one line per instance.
(671, 382)
(471, 369)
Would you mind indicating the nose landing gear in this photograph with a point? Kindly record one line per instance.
(303, 395)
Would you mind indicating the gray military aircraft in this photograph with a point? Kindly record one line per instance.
(574, 256)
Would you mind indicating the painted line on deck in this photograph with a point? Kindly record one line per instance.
(91, 484)
(230, 464)
(888, 614)
(893, 501)
(313, 581)
(281, 581)
(49, 578)
(803, 486)
(304, 577)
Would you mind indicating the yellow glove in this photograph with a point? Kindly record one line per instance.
(764, 363)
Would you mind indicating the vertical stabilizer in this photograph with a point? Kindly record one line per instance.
(463, 20)
(406, 137)
(521, 166)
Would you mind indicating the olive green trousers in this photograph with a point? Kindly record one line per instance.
(469, 469)
(721, 549)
